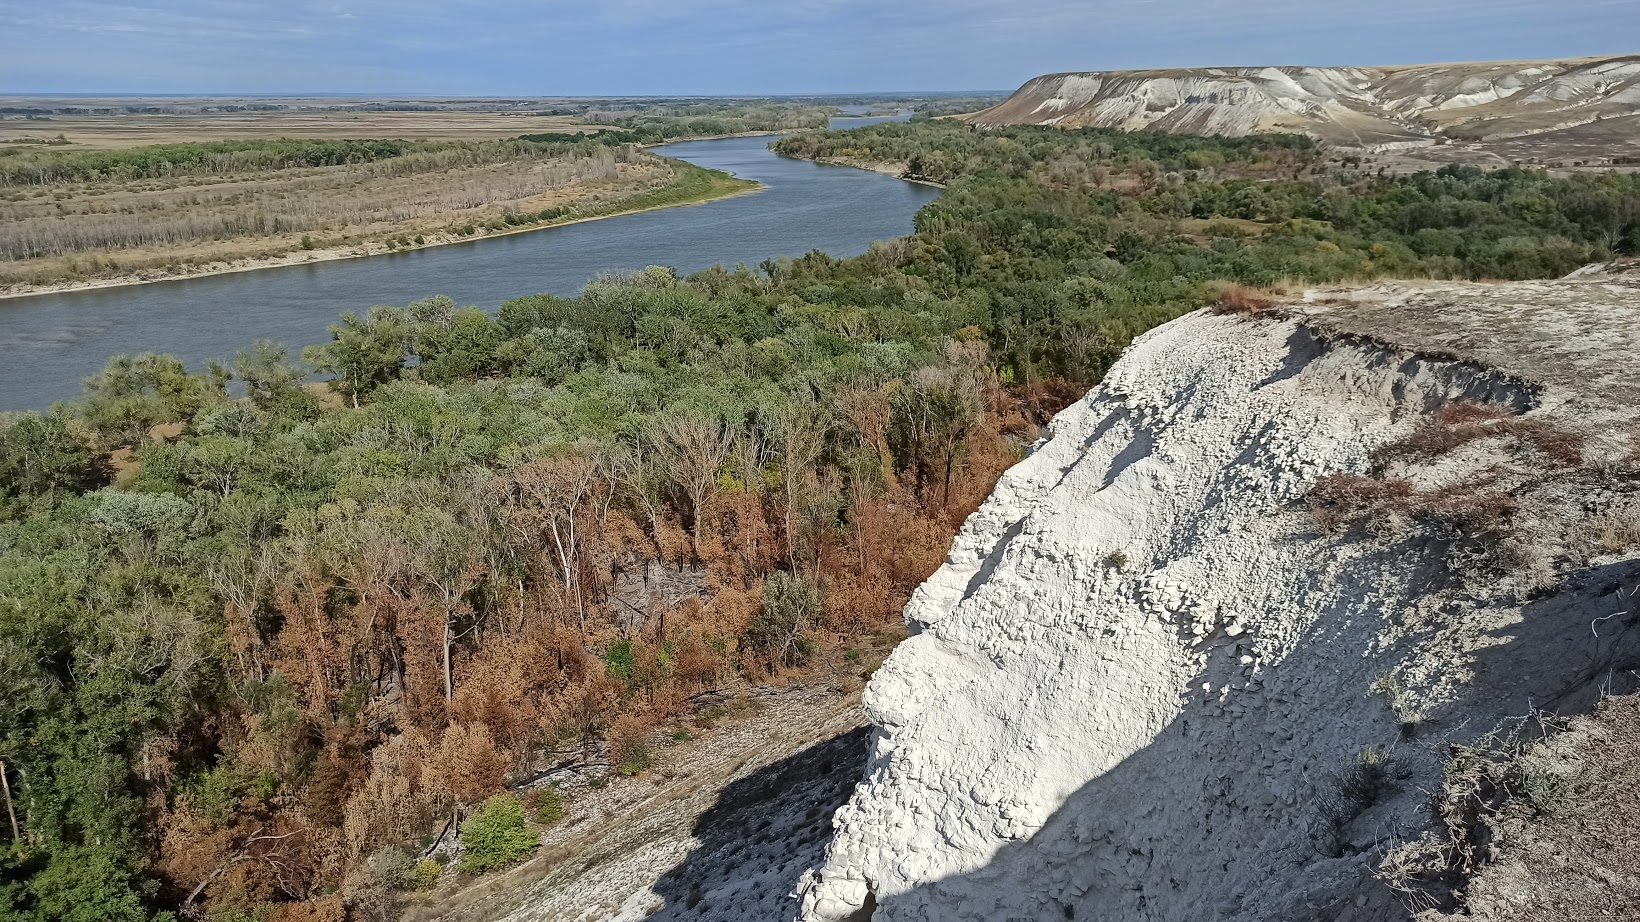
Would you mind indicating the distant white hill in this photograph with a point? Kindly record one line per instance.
(1371, 107)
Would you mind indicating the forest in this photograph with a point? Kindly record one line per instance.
(258, 640)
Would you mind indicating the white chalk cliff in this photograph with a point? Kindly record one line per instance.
(1357, 106)
(1136, 687)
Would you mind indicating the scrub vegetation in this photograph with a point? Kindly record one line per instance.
(248, 643)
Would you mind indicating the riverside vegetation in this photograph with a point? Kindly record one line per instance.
(165, 209)
(253, 647)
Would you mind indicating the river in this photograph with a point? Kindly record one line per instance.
(50, 343)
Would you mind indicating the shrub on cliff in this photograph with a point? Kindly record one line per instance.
(496, 836)
(790, 604)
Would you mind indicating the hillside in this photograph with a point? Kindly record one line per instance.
(1370, 107)
(1231, 642)
(490, 592)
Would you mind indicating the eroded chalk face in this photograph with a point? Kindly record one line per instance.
(1142, 679)
(1382, 108)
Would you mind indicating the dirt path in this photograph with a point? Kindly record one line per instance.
(722, 831)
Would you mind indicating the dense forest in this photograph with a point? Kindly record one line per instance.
(1275, 203)
(254, 638)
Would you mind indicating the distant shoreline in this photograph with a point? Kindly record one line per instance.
(352, 251)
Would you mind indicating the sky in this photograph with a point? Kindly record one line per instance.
(728, 47)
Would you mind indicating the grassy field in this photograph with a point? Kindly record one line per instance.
(70, 217)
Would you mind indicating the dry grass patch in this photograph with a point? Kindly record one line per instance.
(1539, 827)
(1480, 500)
(1461, 422)
(1236, 298)
(1341, 501)
(87, 230)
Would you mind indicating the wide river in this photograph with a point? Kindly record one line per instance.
(50, 343)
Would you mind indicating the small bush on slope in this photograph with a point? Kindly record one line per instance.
(496, 836)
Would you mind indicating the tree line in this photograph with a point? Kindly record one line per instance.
(220, 158)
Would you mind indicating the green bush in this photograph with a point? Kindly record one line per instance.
(426, 874)
(549, 808)
(496, 836)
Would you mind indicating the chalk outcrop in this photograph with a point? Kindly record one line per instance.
(1153, 683)
(1370, 107)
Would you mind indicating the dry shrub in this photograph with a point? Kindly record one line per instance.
(582, 710)
(1236, 298)
(1460, 422)
(325, 908)
(694, 663)
(1341, 501)
(1461, 412)
(1367, 781)
(1474, 511)
(850, 608)
(392, 801)
(1042, 398)
(1452, 426)
(1617, 530)
(737, 542)
(1538, 801)
(339, 768)
(631, 749)
(466, 765)
(501, 684)
(1562, 446)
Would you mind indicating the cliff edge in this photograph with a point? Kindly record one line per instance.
(1206, 652)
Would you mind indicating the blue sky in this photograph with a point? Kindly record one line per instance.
(560, 47)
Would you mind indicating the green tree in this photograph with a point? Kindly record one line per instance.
(790, 606)
(458, 347)
(364, 352)
(133, 395)
(86, 884)
(40, 454)
(271, 381)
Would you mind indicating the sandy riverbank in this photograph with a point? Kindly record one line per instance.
(894, 168)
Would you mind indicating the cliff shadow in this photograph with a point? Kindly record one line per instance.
(763, 831)
(1256, 806)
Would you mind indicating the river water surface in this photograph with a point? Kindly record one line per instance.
(50, 343)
